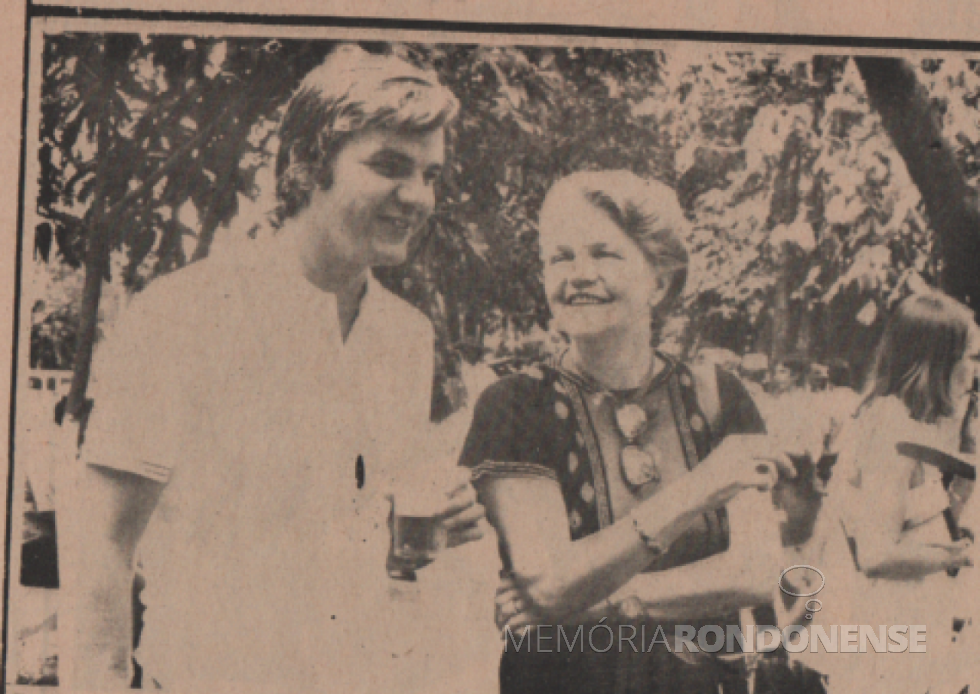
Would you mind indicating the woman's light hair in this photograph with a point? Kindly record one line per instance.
(646, 210)
(351, 91)
(924, 339)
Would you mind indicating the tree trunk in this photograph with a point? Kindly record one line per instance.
(784, 210)
(88, 322)
(96, 259)
(916, 131)
(453, 323)
(804, 331)
(780, 318)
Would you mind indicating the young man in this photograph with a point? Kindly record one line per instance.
(234, 401)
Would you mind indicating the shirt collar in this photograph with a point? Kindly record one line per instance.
(286, 286)
(372, 312)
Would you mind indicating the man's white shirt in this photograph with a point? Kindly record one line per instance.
(229, 382)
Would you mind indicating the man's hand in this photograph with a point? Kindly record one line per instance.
(462, 513)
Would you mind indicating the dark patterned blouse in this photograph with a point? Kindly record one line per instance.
(549, 423)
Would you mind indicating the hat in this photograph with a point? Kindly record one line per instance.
(949, 462)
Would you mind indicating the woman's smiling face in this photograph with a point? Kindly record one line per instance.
(596, 278)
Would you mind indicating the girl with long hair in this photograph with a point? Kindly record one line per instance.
(897, 499)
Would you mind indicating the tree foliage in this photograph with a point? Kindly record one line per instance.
(801, 203)
(187, 121)
(804, 221)
(135, 131)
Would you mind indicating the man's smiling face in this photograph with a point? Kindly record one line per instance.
(382, 194)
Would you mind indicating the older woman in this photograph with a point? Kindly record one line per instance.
(606, 473)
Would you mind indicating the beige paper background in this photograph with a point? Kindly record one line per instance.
(952, 20)
(11, 85)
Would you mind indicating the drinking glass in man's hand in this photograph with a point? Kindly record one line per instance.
(418, 533)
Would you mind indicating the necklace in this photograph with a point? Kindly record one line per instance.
(638, 465)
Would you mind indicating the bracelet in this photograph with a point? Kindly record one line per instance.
(654, 542)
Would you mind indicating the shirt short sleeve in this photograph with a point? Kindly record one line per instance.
(515, 431)
(143, 420)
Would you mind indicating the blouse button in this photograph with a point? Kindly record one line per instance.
(686, 381)
(572, 463)
(574, 520)
(587, 493)
(697, 423)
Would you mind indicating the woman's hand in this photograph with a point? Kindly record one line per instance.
(512, 608)
(462, 513)
(739, 463)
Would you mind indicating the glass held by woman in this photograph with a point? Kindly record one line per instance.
(614, 474)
